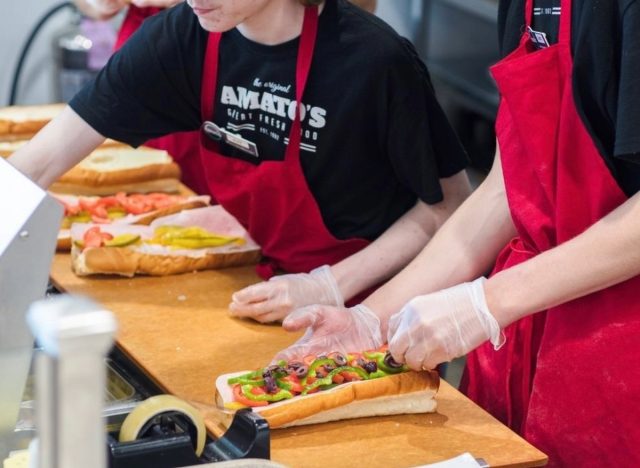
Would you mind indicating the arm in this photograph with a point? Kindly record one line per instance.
(464, 248)
(59, 146)
(273, 300)
(401, 242)
(604, 255)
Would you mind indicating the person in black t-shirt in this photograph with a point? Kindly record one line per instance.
(377, 168)
(551, 337)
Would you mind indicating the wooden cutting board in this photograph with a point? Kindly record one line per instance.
(178, 330)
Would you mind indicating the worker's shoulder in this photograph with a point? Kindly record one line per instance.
(179, 19)
(363, 30)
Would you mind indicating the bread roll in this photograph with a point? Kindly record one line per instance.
(109, 170)
(404, 393)
(22, 122)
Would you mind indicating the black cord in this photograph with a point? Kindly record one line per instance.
(27, 46)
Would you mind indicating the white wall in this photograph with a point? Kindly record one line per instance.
(36, 86)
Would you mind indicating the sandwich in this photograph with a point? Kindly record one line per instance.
(109, 170)
(191, 240)
(22, 122)
(8, 147)
(121, 208)
(329, 388)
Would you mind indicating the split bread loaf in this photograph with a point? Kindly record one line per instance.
(109, 170)
(22, 122)
(192, 240)
(8, 147)
(403, 393)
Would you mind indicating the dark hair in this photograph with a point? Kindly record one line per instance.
(311, 2)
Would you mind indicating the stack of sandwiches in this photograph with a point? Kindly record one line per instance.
(120, 185)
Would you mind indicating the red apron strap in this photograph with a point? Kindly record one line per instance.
(528, 12)
(564, 35)
(303, 66)
(210, 76)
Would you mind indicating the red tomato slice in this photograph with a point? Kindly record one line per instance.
(240, 398)
(296, 386)
(92, 237)
(338, 379)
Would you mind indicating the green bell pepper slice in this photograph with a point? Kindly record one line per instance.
(271, 397)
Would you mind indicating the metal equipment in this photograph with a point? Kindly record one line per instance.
(28, 231)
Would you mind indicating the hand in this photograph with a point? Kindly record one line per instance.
(331, 329)
(273, 300)
(441, 326)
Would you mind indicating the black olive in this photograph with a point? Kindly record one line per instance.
(295, 364)
(302, 371)
(320, 374)
(389, 361)
(322, 356)
(370, 367)
(339, 359)
(360, 362)
(270, 384)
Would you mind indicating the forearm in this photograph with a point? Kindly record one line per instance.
(604, 255)
(399, 244)
(60, 145)
(463, 249)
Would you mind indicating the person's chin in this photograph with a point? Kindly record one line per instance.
(214, 26)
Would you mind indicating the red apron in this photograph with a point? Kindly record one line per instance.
(272, 199)
(568, 378)
(184, 147)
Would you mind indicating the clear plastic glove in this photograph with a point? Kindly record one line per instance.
(441, 326)
(331, 329)
(273, 300)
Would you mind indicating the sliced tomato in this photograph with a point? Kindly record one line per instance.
(350, 376)
(92, 237)
(338, 379)
(240, 398)
(257, 390)
(292, 379)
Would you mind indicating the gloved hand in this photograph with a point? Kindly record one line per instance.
(441, 326)
(272, 300)
(331, 329)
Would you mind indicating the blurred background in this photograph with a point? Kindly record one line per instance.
(456, 38)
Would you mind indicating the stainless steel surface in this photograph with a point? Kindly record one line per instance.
(75, 335)
(29, 227)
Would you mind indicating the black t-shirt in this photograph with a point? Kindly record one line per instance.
(606, 74)
(374, 138)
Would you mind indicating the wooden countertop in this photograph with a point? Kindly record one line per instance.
(178, 330)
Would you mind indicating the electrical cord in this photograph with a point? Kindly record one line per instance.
(27, 46)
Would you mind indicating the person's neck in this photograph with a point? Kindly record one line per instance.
(279, 21)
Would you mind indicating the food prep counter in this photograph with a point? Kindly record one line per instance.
(178, 332)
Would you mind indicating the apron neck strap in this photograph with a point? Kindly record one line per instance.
(210, 76)
(564, 36)
(303, 66)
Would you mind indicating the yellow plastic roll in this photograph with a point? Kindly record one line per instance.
(156, 405)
